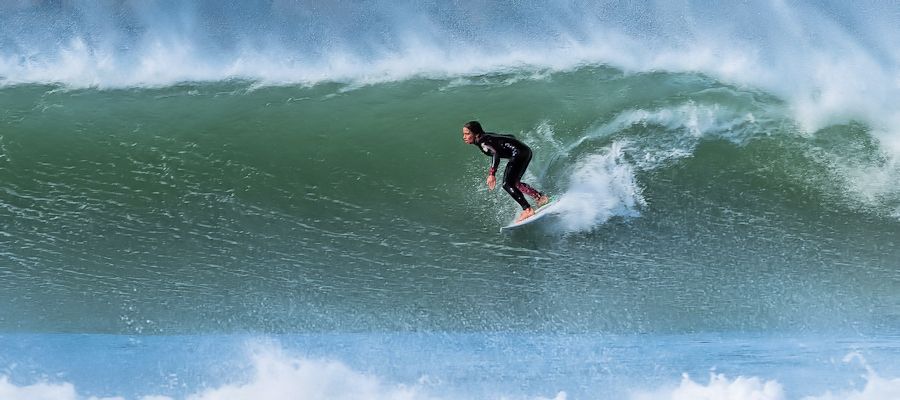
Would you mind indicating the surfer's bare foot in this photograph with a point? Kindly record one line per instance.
(526, 213)
(542, 201)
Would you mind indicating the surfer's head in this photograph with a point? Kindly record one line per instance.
(471, 131)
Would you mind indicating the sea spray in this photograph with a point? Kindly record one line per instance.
(601, 186)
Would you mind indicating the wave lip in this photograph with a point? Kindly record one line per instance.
(832, 63)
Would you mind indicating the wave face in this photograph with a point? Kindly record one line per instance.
(174, 175)
(295, 208)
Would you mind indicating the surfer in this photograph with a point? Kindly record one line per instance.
(506, 146)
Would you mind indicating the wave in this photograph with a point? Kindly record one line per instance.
(211, 181)
(831, 61)
(593, 148)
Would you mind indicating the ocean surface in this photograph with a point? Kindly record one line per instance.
(212, 200)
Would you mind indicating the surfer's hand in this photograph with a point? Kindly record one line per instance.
(491, 182)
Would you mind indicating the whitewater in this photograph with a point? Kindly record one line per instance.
(272, 200)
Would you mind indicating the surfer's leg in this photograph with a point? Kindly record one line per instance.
(523, 187)
(515, 193)
(515, 168)
(540, 199)
(527, 189)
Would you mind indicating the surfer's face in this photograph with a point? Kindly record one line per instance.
(468, 136)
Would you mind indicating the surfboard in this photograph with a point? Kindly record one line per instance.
(547, 209)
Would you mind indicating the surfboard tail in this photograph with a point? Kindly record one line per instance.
(542, 211)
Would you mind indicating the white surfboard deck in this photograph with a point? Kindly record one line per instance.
(542, 212)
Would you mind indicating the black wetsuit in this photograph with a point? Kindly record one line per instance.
(507, 146)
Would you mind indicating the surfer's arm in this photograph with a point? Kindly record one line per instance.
(495, 160)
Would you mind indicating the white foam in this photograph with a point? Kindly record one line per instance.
(46, 391)
(771, 52)
(876, 187)
(277, 375)
(877, 387)
(719, 387)
(602, 186)
(683, 126)
(38, 391)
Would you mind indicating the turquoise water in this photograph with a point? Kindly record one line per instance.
(448, 365)
(214, 201)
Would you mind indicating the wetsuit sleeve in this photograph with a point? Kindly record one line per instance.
(495, 158)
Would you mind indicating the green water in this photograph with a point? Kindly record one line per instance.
(227, 207)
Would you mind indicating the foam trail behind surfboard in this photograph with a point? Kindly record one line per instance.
(602, 186)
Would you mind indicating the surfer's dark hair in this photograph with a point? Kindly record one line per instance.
(474, 127)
